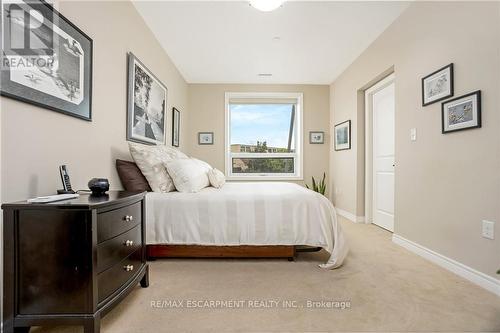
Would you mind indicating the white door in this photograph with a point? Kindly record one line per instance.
(383, 108)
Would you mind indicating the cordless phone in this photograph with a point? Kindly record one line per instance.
(65, 180)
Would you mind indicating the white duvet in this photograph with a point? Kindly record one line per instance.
(257, 213)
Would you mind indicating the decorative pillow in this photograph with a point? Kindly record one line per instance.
(189, 175)
(151, 160)
(217, 178)
(131, 177)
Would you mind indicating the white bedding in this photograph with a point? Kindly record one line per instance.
(257, 213)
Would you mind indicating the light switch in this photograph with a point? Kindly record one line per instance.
(413, 134)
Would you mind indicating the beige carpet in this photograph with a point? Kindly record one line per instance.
(389, 290)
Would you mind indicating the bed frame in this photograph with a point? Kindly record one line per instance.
(202, 251)
(237, 251)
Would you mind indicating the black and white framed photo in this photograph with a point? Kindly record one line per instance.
(438, 85)
(317, 137)
(342, 132)
(146, 107)
(205, 138)
(461, 113)
(46, 60)
(176, 127)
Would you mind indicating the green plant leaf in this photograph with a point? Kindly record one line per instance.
(319, 186)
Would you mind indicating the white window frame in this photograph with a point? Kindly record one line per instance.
(298, 137)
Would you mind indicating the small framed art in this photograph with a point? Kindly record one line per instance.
(461, 113)
(176, 127)
(438, 85)
(317, 138)
(205, 138)
(343, 135)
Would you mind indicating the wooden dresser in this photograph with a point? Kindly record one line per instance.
(70, 262)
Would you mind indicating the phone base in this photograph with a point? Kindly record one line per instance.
(65, 192)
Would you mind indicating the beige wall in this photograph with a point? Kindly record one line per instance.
(445, 184)
(35, 141)
(207, 114)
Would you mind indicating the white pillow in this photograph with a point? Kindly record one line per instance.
(151, 160)
(216, 177)
(189, 175)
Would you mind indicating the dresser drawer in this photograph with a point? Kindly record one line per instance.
(115, 222)
(115, 277)
(116, 249)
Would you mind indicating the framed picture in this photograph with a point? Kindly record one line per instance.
(343, 135)
(176, 127)
(437, 86)
(317, 138)
(146, 107)
(205, 138)
(46, 60)
(461, 113)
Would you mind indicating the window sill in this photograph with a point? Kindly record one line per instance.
(264, 178)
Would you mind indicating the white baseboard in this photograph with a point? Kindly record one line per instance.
(485, 281)
(349, 216)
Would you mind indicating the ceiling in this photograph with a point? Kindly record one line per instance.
(302, 42)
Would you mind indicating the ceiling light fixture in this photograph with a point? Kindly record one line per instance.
(266, 5)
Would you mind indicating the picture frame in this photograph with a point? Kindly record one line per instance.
(438, 85)
(342, 136)
(146, 104)
(461, 113)
(52, 68)
(316, 137)
(205, 138)
(176, 127)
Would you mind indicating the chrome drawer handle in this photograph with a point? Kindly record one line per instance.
(128, 243)
(128, 218)
(128, 268)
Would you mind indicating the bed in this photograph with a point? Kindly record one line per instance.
(243, 217)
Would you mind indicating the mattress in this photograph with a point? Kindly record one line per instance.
(246, 213)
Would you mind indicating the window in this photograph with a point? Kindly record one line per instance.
(263, 135)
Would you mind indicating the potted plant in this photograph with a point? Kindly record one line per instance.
(319, 187)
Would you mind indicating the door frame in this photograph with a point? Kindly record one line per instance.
(369, 92)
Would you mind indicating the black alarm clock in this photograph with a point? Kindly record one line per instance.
(98, 186)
